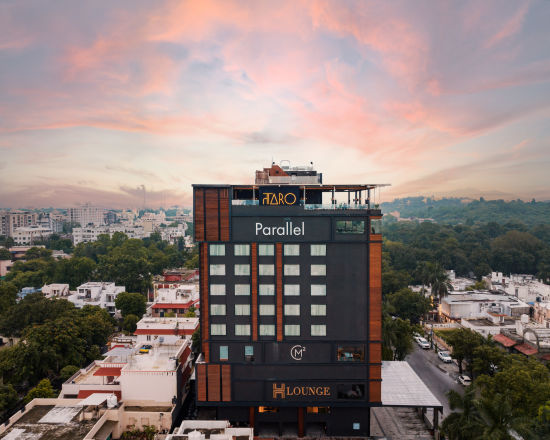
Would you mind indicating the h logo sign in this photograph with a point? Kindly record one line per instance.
(279, 391)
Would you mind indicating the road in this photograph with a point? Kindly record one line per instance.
(438, 376)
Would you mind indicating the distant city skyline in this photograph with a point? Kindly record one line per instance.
(101, 100)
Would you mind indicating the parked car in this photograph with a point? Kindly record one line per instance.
(422, 343)
(464, 380)
(416, 336)
(145, 348)
(445, 356)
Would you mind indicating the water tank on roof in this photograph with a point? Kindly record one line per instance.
(112, 401)
(195, 435)
(524, 319)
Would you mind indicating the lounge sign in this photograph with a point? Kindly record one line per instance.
(279, 196)
(282, 391)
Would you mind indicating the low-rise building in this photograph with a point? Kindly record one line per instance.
(91, 233)
(491, 324)
(27, 235)
(175, 301)
(210, 430)
(525, 287)
(5, 267)
(476, 304)
(55, 290)
(97, 293)
(165, 330)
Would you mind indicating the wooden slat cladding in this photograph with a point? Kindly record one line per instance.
(214, 383)
(375, 371)
(201, 382)
(198, 213)
(224, 214)
(211, 214)
(226, 383)
(203, 255)
(375, 352)
(375, 392)
(375, 289)
(279, 288)
(254, 273)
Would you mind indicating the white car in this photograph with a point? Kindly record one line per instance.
(464, 380)
(445, 356)
(422, 343)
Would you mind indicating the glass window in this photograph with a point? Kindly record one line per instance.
(217, 269)
(351, 353)
(351, 391)
(375, 226)
(318, 290)
(242, 289)
(318, 270)
(217, 329)
(292, 330)
(266, 269)
(266, 250)
(242, 269)
(318, 330)
(217, 250)
(318, 250)
(242, 309)
(248, 351)
(242, 250)
(292, 309)
(242, 330)
(292, 289)
(318, 310)
(267, 309)
(224, 352)
(217, 289)
(292, 269)
(350, 226)
(267, 289)
(268, 409)
(267, 330)
(318, 410)
(217, 309)
(292, 249)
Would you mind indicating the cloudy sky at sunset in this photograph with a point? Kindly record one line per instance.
(101, 98)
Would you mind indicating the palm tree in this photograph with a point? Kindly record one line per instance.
(499, 419)
(466, 423)
(441, 285)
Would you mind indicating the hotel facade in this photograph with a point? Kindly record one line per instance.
(290, 292)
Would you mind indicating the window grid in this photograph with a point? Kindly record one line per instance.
(291, 289)
(242, 330)
(318, 330)
(217, 250)
(267, 289)
(292, 330)
(292, 269)
(266, 250)
(242, 289)
(217, 309)
(217, 289)
(242, 269)
(242, 309)
(318, 270)
(292, 250)
(318, 310)
(292, 309)
(217, 269)
(318, 290)
(267, 310)
(267, 330)
(318, 250)
(242, 250)
(217, 329)
(266, 269)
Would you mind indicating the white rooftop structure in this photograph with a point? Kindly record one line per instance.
(102, 294)
(210, 430)
(477, 304)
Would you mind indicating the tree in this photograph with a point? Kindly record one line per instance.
(190, 312)
(74, 271)
(8, 397)
(487, 360)
(130, 323)
(67, 371)
(196, 340)
(464, 341)
(466, 423)
(130, 304)
(8, 295)
(408, 305)
(5, 254)
(439, 280)
(37, 252)
(397, 337)
(44, 389)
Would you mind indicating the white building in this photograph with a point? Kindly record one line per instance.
(176, 300)
(87, 214)
(165, 330)
(456, 306)
(171, 233)
(55, 290)
(28, 235)
(525, 287)
(92, 233)
(210, 430)
(102, 294)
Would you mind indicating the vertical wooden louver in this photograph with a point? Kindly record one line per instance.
(279, 288)
(211, 214)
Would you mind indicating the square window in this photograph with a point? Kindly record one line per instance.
(242, 289)
(267, 330)
(217, 250)
(267, 309)
(242, 309)
(318, 309)
(242, 330)
(217, 289)
(266, 250)
(292, 289)
(242, 269)
(318, 250)
(266, 269)
(267, 289)
(242, 250)
(217, 309)
(318, 270)
(318, 290)
(292, 330)
(375, 226)
(292, 269)
(350, 226)
(217, 329)
(217, 269)
(318, 330)
(292, 250)
(224, 352)
(292, 309)
(248, 350)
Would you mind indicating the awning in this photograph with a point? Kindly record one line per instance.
(526, 349)
(108, 371)
(504, 340)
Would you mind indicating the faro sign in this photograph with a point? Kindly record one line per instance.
(279, 196)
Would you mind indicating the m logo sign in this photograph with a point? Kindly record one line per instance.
(297, 352)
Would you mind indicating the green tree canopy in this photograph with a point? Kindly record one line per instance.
(408, 305)
(44, 389)
(130, 323)
(131, 304)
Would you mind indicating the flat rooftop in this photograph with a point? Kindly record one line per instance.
(482, 322)
(159, 358)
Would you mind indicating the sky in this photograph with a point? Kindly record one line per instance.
(106, 101)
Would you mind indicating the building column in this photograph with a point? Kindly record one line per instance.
(301, 421)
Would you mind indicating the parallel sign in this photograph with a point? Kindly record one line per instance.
(279, 196)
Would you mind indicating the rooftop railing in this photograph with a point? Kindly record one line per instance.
(309, 206)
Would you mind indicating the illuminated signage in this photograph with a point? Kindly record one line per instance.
(297, 351)
(289, 229)
(283, 391)
(277, 196)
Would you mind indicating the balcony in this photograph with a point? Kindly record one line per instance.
(311, 207)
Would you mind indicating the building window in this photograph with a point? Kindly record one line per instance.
(292, 269)
(318, 409)
(224, 353)
(242, 269)
(217, 269)
(267, 330)
(242, 250)
(217, 329)
(351, 353)
(318, 330)
(351, 391)
(266, 269)
(249, 352)
(268, 409)
(292, 250)
(318, 290)
(292, 330)
(267, 309)
(242, 289)
(242, 330)
(292, 289)
(292, 309)
(242, 309)
(267, 289)
(148, 337)
(318, 250)
(217, 289)
(318, 270)
(350, 226)
(376, 226)
(217, 309)
(266, 250)
(318, 310)
(217, 250)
